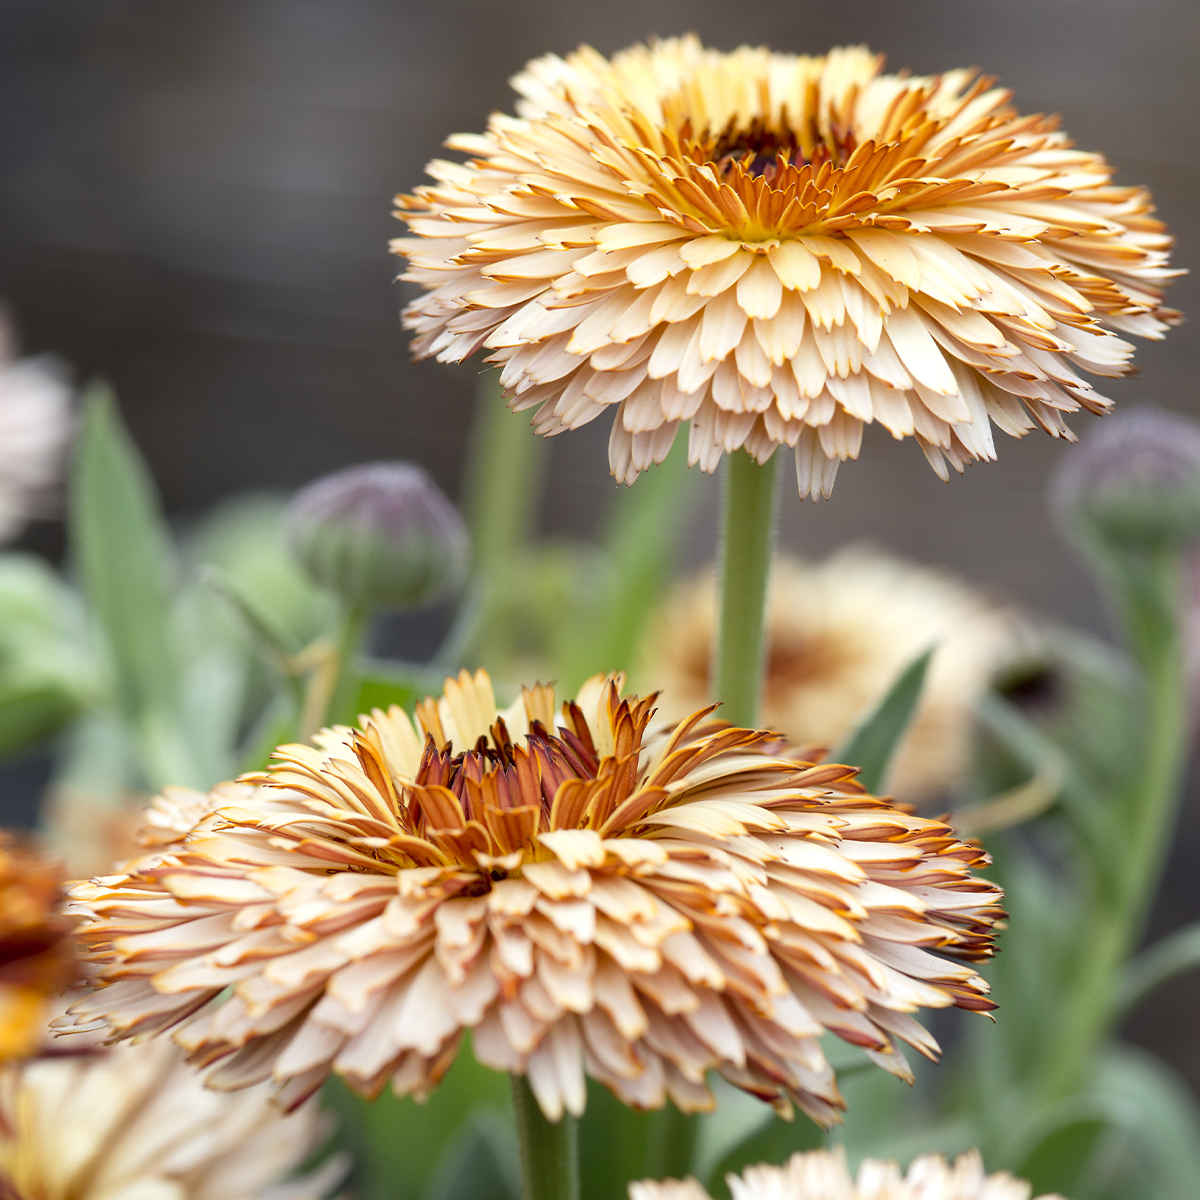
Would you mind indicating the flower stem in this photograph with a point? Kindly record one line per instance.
(504, 476)
(549, 1151)
(330, 692)
(672, 1143)
(747, 539)
(1150, 595)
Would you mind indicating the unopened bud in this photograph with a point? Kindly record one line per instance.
(1134, 481)
(381, 535)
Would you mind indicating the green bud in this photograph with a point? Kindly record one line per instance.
(381, 535)
(1134, 481)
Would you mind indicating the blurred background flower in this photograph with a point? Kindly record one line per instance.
(37, 954)
(840, 632)
(135, 1121)
(36, 417)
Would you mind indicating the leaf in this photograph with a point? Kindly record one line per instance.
(1163, 1124)
(122, 552)
(873, 743)
(1061, 1159)
(275, 646)
(1174, 954)
(774, 1141)
(381, 685)
(479, 1163)
(618, 1145)
(399, 1145)
(48, 672)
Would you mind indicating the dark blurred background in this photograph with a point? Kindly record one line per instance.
(194, 203)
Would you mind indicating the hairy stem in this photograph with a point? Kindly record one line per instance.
(549, 1151)
(747, 539)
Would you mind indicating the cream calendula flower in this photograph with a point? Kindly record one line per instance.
(586, 892)
(822, 1175)
(779, 250)
(839, 632)
(135, 1123)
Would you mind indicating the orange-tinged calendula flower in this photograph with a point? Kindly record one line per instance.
(587, 892)
(778, 250)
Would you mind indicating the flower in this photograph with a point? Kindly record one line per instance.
(35, 426)
(839, 633)
(37, 959)
(780, 249)
(136, 1121)
(642, 903)
(822, 1175)
(381, 535)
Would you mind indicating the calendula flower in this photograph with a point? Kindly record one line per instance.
(839, 633)
(586, 892)
(37, 960)
(780, 250)
(822, 1175)
(136, 1122)
(35, 426)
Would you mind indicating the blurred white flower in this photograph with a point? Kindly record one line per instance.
(36, 416)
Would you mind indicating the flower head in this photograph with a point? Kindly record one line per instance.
(586, 892)
(37, 960)
(822, 1175)
(779, 250)
(839, 633)
(135, 1121)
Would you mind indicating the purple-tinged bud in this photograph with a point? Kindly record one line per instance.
(1134, 481)
(380, 535)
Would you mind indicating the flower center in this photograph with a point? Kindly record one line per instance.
(762, 150)
(523, 775)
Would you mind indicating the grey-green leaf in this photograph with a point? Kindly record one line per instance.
(122, 553)
(874, 742)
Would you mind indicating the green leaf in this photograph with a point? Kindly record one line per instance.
(1174, 954)
(399, 1146)
(873, 743)
(479, 1163)
(275, 646)
(772, 1142)
(48, 672)
(122, 552)
(382, 684)
(1060, 1160)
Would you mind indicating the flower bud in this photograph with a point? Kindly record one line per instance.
(381, 535)
(1134, 481)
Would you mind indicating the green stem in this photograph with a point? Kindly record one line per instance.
(549, 1151)
(672, 1147)
(1151, 596)
(504, 474)
(747, 539)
